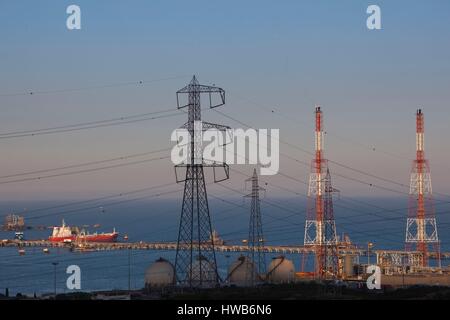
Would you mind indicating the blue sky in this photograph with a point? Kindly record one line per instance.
(284, 56)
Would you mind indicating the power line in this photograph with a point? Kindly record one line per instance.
(71, 211)
(86, 123)
(274, 111)
(78, 127)
(84, 164)
(67, 212)
(85, 170)
(370, 184)
(344, 218)
(87, 88)
(334, 162)
(303, 182)
(76, 203)
(337, 204)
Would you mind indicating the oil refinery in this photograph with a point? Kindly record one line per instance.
(202, 154)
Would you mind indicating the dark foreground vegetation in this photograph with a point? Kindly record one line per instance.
(298, 291)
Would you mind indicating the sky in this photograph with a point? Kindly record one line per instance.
(275, 59)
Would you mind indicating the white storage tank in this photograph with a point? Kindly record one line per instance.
(242, 271)
(349, 265)
(281, 270)
(159, 274)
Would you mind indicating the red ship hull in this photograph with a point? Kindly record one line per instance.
(104, 237)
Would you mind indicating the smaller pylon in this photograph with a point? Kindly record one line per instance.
(330, 254)
(255, 235)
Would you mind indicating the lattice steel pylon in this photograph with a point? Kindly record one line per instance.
(255, 235)
(195, 261)
(320, 226)
(421, 227)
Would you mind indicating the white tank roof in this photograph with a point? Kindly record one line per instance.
(281, 270)
(160, 273)
(242, 271)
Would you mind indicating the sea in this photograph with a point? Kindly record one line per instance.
(379, 221)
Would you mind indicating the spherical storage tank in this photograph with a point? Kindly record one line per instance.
(281, 270)
(241, 272)
(161, 273)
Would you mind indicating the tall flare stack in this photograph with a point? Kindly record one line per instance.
(320, 226)
(421, 228)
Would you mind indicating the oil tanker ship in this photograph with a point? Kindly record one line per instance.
(66, 233)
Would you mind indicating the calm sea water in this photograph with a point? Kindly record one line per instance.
(283, 223)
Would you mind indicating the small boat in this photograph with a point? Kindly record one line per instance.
(19, 236)
(45, 250)
(21, 252)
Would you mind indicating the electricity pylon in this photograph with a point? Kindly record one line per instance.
(195, 261)
(256, 253)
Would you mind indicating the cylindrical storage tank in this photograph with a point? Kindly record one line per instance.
(203, 273)
(281, 270)
(348, 265)
(242, 272)
(159, 274)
